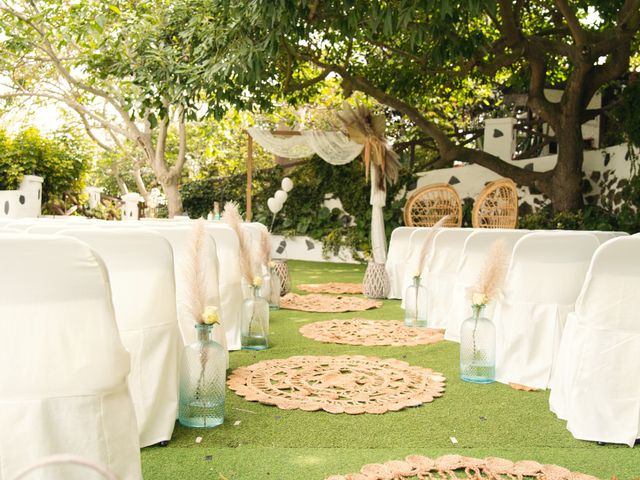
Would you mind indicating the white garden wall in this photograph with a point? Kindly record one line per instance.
(24, 202)
(605, 169)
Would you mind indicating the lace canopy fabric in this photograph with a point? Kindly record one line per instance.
(336, 149)
(333, 147)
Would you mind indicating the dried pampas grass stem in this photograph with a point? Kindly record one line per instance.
(493, 273)
(265, 247)
(195, 274)
(427, 244)
(231, 216)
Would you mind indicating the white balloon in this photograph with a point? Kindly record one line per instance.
(287, 184)
(280, 196)
(274, 205)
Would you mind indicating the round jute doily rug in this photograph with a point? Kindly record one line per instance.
(456, 466)
(361, 331)
(343, 384)
(331, 287)
(327, 303)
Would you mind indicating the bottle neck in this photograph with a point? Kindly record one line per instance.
(416, 281)
(478, 310)
(203, 332)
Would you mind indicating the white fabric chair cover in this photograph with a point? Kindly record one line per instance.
(443, 267)
(397, 259)
(140, 266)
(180, 239)
(63, 367)
(595, 383)
(543, 282)
(230, 286)
(474, 254)
(606, 236)
(48, 228)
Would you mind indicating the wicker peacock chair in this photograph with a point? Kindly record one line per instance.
(496, 206)
(430, 203)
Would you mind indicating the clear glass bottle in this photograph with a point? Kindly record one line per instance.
(254, 333)
(270, 290)
(202, 381)
(478, 348)
(415, 305)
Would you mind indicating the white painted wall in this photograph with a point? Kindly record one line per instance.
(24, 202)
(306, 248)
(469, 180)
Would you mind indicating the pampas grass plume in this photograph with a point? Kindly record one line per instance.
(427, 243)
(492, 275)
(265, 247)
(195, 274)
(232, 217)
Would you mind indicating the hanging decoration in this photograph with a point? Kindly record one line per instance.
(368, 129)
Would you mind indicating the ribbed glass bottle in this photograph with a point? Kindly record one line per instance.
(254, 330)
(415, 305)
(202, 381)
(478, 348)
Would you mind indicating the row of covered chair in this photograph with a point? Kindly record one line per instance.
(550, 275)
(144, 265)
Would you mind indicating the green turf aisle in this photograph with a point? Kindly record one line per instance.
(487, 420)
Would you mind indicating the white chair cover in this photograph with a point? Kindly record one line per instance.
(63, 367)
(544, 278)
(397, 259)
(140, 266)
(474, 253)
(595, 383)
(48, 228)
(230, 286)
(606, 236)
(180, 239)
(443, 267)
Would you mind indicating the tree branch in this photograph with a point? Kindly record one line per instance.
(577, 32)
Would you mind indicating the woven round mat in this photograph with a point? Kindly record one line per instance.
(456, 466)
(344, 384)
(331, 287)
(327, 303)
(361, 331)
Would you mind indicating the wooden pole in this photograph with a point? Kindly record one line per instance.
(249, 174)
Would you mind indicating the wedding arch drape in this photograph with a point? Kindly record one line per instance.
(336, 149)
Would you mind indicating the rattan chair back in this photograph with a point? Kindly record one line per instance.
(496, 206)
(430, 203)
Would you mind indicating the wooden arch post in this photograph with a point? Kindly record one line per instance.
(249, 174)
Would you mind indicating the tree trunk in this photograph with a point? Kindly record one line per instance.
(171, 192)
(565, 189)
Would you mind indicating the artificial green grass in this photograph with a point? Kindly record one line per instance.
(486, 420)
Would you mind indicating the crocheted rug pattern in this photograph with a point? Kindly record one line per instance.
(343, 384)
(361, 331)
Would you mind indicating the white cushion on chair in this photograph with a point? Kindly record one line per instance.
(544, 278)
(140, 266)
(474, 254)
(595, 383)
(63, 367)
